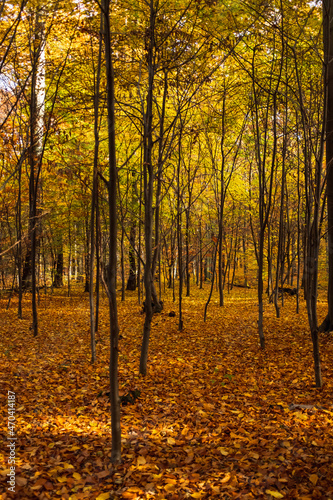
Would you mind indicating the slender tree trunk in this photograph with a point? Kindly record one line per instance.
(131, 282)
(200, 257)
(140, 228)
(122, 263)
(187, 247)
(98, 263)
(93, 216)
(327, 325)
(86, 263)
(179, 236)
(69, 261)
(212, 284)
(148, 174)
(112, 191)
(59, 268)
(37, 106)
(19, 237)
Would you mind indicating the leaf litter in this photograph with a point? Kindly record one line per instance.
(214, 418)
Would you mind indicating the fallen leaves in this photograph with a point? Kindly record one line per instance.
(274, 494)
(216, 418)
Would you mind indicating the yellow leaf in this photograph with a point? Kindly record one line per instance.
(171, 440)
(62, 479)
(202, 413)
(226, 478)
(255, 455)
(274, 494)
(223, 451)
(141, 460)
(103, 496)
(197, 494)
(314, 479)
(77, 476)
(169, 487)
(169, 480)
(300, 415)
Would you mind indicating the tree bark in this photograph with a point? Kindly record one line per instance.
(327, 325)
(148, 176)
(131, 282)
(112, 191)
(37, 108)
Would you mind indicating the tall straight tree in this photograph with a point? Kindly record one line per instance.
(37, 106)
(94, 200)
(112, 191)
(327, 324)
(264, 110)
(148, 179)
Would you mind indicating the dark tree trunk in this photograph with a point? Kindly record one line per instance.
(59, 271)
(148, 175)
(122, 263)
(94, 216)
(327, 325)
(131, 282)
(179, 236)
(112, 192)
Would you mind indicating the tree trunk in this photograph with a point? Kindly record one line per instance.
(131, 282)
(327, 325)
(37, 108)
(148, 175)
(112, 192)
(94, 195)
(59, 270)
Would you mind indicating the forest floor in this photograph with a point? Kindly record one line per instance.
(216, 417)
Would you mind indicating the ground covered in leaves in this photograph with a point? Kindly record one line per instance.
(216, 417)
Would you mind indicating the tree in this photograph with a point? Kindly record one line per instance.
(112, 192)
(327, 324)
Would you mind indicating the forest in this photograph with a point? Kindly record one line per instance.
(166, 249)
